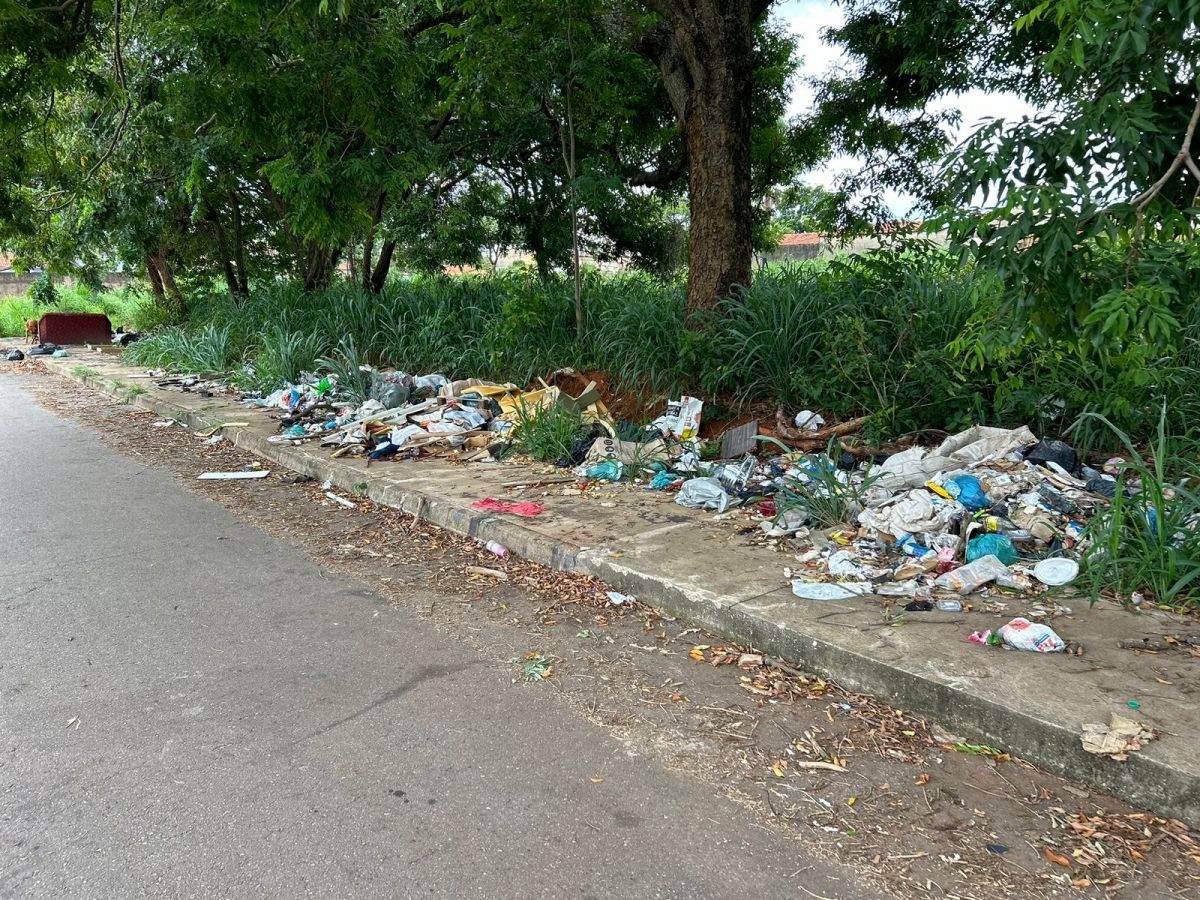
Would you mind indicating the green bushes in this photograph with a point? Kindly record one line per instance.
(897, 337)
(128, 305)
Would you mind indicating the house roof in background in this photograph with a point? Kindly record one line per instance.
(800, 239)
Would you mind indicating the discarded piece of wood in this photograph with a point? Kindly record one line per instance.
(1157, 645)
(389, 415)
(217, 428)
(539, 482)
(831, 767)
(815, 440)
(491, 573)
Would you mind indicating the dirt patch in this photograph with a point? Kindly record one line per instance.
(915, 811)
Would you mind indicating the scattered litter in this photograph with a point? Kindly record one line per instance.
(234, 476)
(1056, 571)
(972, 576)
(349, 504)
(996, 545)
(496, 548)
(618, 599)
(821, 590)
(165, 423)
(490, 573)
(1117, 739)
(1021, 634)
(808, 420)
(703, 493)
(526, 508)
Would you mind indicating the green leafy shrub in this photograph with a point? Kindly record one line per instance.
(43, 292)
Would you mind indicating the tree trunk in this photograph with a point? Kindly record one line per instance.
(223, 249)
(163, 279)
(156, 285)
(369, 244)
(717, 135)
(239, 246)
(704, 51)
(382, 266)
(319, 265)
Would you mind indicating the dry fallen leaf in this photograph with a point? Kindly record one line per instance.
(1056, 859)
(1162, 680)
(922, 778)
(597, 780)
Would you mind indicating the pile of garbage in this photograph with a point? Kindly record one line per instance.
(989, 508)
(408, 416)
(933, 528)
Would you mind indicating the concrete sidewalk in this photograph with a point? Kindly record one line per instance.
(685, 563)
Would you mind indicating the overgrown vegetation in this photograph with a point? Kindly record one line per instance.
(1147, 539)
(548, 433)
(129, 305)
(887, 335)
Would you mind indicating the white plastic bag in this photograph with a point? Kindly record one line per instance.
(1021, 634)
(703, 493)
(972, 576)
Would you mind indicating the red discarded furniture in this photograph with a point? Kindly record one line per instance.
(74, 328)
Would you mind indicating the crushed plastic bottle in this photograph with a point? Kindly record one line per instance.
(496, 547)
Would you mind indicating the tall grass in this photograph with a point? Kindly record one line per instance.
(1150, 540)
(877, 335)
(129, 306)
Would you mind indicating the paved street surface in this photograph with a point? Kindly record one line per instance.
(190, 708)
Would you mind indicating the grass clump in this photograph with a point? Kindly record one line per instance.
(1149, 541)
(546, 433)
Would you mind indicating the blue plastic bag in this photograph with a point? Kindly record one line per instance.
(997, 545)
(970, 492)
(609, 470)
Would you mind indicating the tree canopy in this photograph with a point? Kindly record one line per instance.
(239, 141)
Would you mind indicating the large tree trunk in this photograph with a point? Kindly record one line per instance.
(223, 250)
(369, 244)
(704, 51)
(716, 132)
(156, 285)
(319, 265)
(239, 246)
(380, 273)
(162, 280)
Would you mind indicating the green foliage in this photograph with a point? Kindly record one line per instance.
(829, 496)
(546, 433)
(893, 336)
(1149, 541)
(43, 292)
(1088, 212)
(208, 348)
(128, 306)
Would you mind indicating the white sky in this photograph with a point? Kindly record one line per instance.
(807, 19)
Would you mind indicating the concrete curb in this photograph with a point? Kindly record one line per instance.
(1146, 779)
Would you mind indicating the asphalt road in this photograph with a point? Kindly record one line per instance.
(190, 708)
